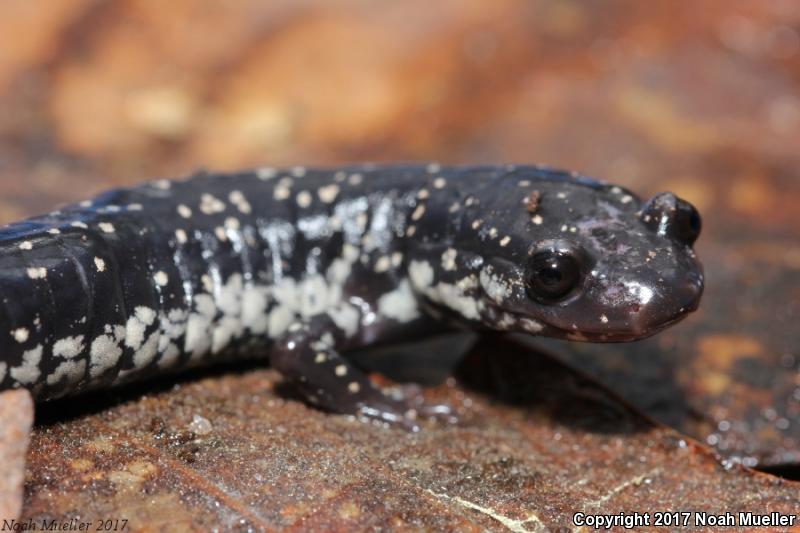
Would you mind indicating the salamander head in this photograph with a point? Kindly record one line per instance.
(575, 259)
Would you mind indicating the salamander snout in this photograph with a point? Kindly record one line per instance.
(639, 304)
(667, 305)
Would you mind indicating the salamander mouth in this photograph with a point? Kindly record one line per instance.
(609, 336)
(526, 324)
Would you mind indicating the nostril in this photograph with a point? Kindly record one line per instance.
(695, 292)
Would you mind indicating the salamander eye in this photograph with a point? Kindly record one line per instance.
(687, 222)
(553, 275)
(668, 215)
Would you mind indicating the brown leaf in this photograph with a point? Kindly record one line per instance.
(537, 444)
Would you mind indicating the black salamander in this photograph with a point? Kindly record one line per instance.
(301, 265)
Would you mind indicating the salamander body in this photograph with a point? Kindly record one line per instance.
(300, 266)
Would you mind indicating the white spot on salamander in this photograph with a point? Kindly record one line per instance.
(340, 370)
(210, 204)
(99, 264)
(21, 335)
(382, 264)
(208, 283)
(229, 302)
(418, 212)
(145, 355)
(198, 334)
(361, 222)
(328, 193)
(456, 298)
(161, 278)
(106, 227)
(106, 351)
(37, 272)
(184, 210)
(346, 317)
(279, 320)
(254, 307)
(28, 372)
(266, 173)
(68, 347)
(421, 274)
(494, 286)
(26, 245)
(73, 371)
(232, 223)
(238, 199)
(173, 326)
(136, 325)
(449, 259)
(433, 168)
(304, 199)
(282, 189)
(181, 236)
(400, 304)
(397, 259)
(642, 292)
(530, 325)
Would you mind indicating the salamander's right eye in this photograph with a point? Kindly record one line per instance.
(553, 275)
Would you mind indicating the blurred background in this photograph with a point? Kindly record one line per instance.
(700, 98)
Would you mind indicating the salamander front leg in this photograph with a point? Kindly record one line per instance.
(306, 356)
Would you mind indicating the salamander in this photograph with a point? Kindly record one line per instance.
(299, 266)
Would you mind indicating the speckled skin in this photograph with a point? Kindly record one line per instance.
(301, 265)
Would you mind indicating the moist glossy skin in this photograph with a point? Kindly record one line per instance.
(301, 265)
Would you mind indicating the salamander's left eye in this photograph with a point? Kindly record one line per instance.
(687, 222)
(668, 215)
(553, 275)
